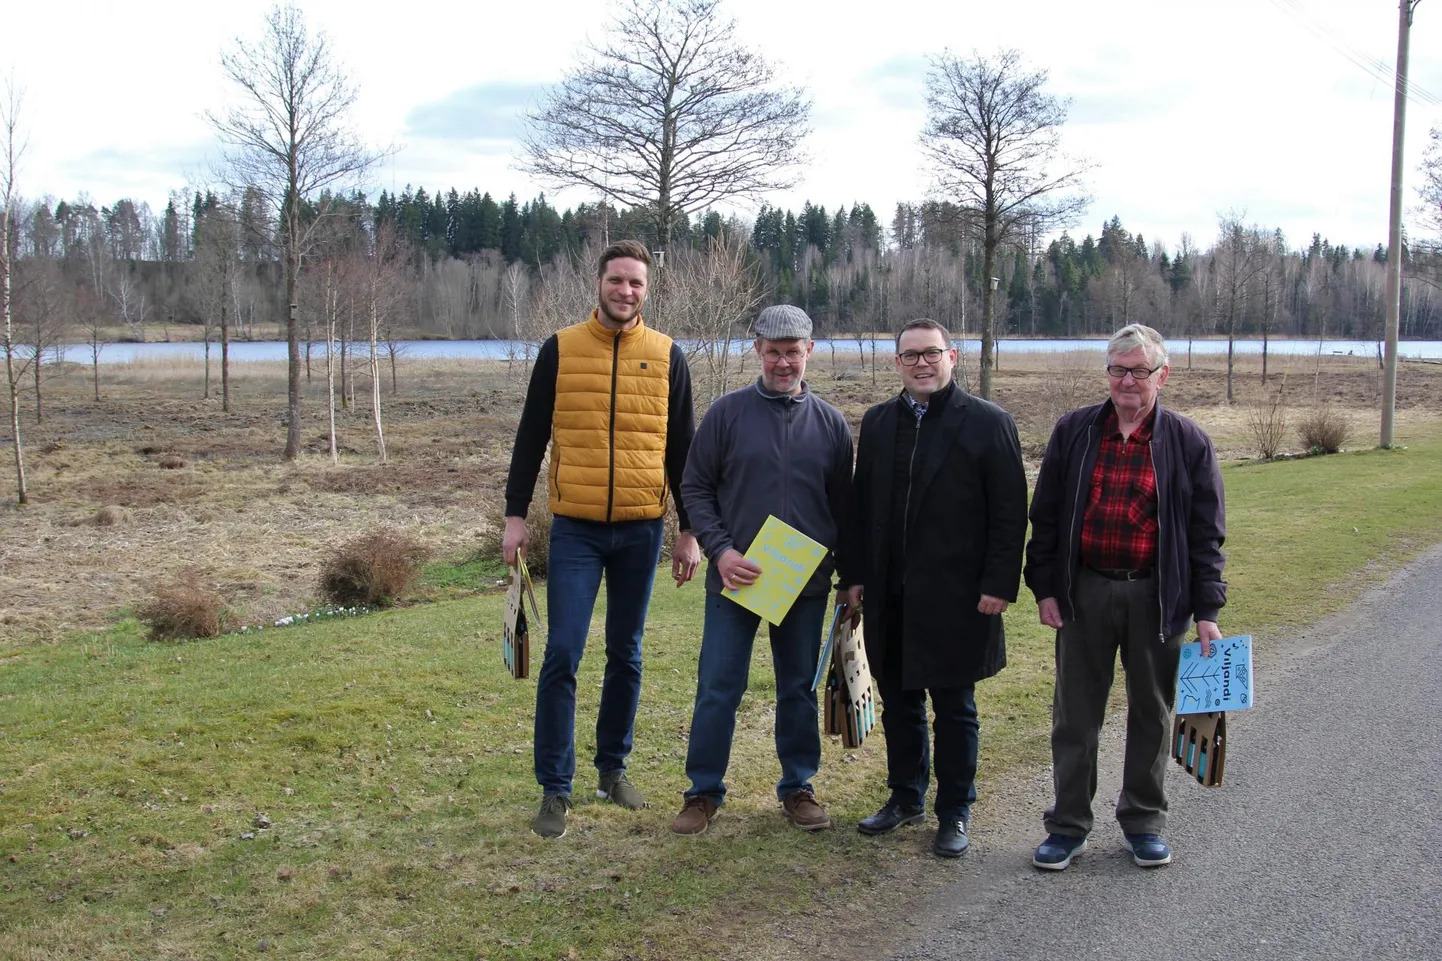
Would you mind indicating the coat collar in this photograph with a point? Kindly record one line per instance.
(942, 424)
(602, 332)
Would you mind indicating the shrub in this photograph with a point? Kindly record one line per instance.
(111, 516)
(1071, 382)
(1266, 420)
(184, 608)
(375, 569)
(1323, 430)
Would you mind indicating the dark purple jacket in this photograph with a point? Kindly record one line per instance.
(1191, 515)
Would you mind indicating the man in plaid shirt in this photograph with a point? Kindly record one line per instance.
(1128, 521)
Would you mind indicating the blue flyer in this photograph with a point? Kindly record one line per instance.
(1222, 682)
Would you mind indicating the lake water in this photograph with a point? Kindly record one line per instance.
(248, 351)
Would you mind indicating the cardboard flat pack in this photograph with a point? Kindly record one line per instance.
(1199, 745)
(849, 704)
(516, 629)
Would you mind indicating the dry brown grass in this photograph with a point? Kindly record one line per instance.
(260, 528)
(111, 515)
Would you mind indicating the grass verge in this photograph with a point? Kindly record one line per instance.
(362, 788)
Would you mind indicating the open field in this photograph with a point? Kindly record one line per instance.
(389, 755)
(243, 519)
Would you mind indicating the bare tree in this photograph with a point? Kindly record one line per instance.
(383, 295)
(216, 271)
(993, 139)
(1241, 259)
(515, 292)
(670, 113)
(12, 149)
(1431, 188)
(566, 289)
(289, 138)
(714, 293)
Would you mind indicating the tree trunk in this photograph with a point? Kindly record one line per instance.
(35, 366)
(1231, 348)
(376, 372)
(292, 345)
(224, 357)
(21, 496)
(330, 386)
(988, 318)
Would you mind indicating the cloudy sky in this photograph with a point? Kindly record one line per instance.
(1277, 110)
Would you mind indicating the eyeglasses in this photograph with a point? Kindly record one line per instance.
(931, 355)
(1138, 373)
(792, 356)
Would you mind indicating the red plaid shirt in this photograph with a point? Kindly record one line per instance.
(1119, 528)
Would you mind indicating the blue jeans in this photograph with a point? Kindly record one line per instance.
(722, 677)
(580, 551)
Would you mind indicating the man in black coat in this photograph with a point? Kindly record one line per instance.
(935, 546)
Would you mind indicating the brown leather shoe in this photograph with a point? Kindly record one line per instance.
(699, 812)
(803, 811)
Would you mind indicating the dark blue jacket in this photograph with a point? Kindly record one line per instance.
(1191, 515)
(757, 453)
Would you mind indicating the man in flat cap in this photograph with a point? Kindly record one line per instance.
(772, 447)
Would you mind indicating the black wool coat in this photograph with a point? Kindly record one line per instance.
(969, 526)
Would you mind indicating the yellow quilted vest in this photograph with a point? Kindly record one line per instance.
(608, 431)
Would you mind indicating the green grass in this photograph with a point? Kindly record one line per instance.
(391, 755)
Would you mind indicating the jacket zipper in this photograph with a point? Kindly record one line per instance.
(789, 404)
(906, 506)
(1157, 486)
(611, 479)
(1076, 499)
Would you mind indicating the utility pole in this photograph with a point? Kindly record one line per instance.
(1405, 9)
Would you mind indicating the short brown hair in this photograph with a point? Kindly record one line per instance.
(633, 249)
(923, 323)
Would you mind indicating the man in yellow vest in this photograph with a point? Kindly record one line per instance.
(613, 399)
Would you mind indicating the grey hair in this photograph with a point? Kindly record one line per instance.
(1132, 336)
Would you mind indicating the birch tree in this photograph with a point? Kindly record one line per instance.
(12, 149)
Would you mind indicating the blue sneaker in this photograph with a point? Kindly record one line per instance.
(1056, 852)
(1149, 850)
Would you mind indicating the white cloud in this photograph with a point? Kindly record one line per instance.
(1188, 108)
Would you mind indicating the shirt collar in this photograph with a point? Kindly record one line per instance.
(1112, 425)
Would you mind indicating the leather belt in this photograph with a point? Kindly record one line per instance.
(1119, 574)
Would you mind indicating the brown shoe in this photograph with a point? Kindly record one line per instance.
(804, 812)
(699, 812)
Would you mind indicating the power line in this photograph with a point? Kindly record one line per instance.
(1374, 67)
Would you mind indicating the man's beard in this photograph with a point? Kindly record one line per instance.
(618, 320)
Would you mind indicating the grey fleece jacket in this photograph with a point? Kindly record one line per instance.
(757, 454)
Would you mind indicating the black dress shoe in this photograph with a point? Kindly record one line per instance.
(951, 840)
(890, 817)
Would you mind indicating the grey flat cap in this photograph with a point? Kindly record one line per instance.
(783, 322)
